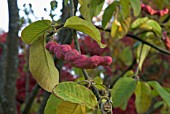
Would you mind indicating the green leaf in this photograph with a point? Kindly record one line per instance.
(108, 13)
(123, 106)
(90, 8)
(54, 5)
(86, 27)
(98, 83)
(155, 26)
(33, 31)
(52, 104)
(143, 97)
(126, 56)
(42, 66)
(162, 92)
(129, 73)
(122, 91)
(71, 91)
(136, 5)
(141, 58)
(70, 108)
(138, 22)
(125, 7)
(158, 104)
(98, 80)
(56, 105)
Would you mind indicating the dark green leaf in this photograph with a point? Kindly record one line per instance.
(122, 91)
(126, 56)
(125, 7)
(108, 13)
(162, 92)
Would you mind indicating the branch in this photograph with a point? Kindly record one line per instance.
(30, 100)
(121, 75)
(44, 102)
(149, 44)
(141, 40)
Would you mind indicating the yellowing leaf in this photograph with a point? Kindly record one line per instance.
(33, 31)
(86, 27)
(141, 58)
(42, 66)
(143, 97)
(56, 105)
(70, 108)
(114, 29)
(75, 93)
(120, 29)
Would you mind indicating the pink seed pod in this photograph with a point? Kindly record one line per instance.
(151, 11)
(72, 55)
(74, 58)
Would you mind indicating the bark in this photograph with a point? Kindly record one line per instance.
(8, 70)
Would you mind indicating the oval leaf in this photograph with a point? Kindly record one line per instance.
(136, 5)
(125, 7)
(122, 91)
(70, 108)
(86, 27)
(143, 97)
(71, 91)
(155, 26)
(108, 13)
(90, 8)
(141, 57)
(138, 22)
(126, 56)
(42, 66)
(162, 92)
(56, 105)
(52, 104)
(33, 31)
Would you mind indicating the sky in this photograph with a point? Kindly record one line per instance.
(37, 5)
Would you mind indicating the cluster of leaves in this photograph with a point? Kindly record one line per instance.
(76, 98)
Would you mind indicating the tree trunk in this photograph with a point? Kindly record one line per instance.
(8, 70)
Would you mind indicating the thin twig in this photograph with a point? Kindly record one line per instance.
(141, 40)
(121, 75)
